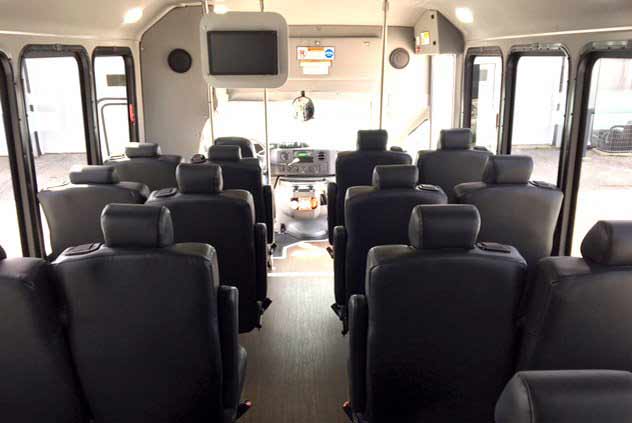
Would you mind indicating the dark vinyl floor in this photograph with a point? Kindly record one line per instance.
(297, 362)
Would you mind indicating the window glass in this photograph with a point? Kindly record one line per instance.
(337, 117)
(55, 116)
(10, 232)
(443, 86)
(487, 77)
(605, 190)
(112, 104)
(539, 109)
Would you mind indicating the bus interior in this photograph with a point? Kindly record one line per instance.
(294, 211)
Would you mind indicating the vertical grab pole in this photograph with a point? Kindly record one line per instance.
(268, 173)
(384, 46)
(209, 92)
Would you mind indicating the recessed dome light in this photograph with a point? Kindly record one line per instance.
(464, 14)
(220, 9)
(133, 15)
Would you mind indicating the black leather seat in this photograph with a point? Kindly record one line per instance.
(513, 210)
(375, 215)
(435, 337)
(587, 396)
(245, 173)
(143, 163)
(73, 211)
(37, 381)
(580, 315)
(203, 212)
(455, 162)
(246, 146)
(153, 335)
(355, 168)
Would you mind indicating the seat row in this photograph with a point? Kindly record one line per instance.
(143, 163)
(438, 331)
(513, 210)
(136, 329)
(139, 329)
(456, 161)
(202, 211)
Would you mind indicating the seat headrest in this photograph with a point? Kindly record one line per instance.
(224, 153)
(456, 139)
(508, 170)
(576, 396)
(245, 145)
(441, 226)
(204, 178)
(395, 176)
(372, 140)
(3, 254)
(93, 175)
(609, 243)
(145, 149)
(136, 226)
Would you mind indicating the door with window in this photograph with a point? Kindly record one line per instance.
(605, 186)
(10, 234)
(539, 109)
(483, 111)
(114, 85)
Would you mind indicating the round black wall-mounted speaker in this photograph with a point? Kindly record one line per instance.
(180, 60)
(399, 58)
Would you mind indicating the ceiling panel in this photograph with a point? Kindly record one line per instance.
(492, 18)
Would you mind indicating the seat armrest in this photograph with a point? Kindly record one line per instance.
(228, 314)
(332, 193)
(268, 199)
(358, 332)
(261, 253)
(340, 257)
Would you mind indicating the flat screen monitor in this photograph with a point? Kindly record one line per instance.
(243, 52)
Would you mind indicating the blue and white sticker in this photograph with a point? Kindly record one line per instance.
(329, 53)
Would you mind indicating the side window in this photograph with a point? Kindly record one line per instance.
(10, 233)
(55, 117)
(487, 75)
(539, 108)
(116, 113)
(605, 187)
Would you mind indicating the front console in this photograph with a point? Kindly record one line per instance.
(303, 162)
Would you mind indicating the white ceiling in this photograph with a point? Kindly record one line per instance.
(492, 18)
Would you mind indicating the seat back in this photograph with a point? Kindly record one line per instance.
(355, 168)
(143, 163)
(73, 211)
(586, 396)
(38, 383)
(580, 308)
(513, 210)
(454, 163)
(143, 321)
(246, 147)
(240, 173)
(379, 214)
(202, 211)
(442, 313)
